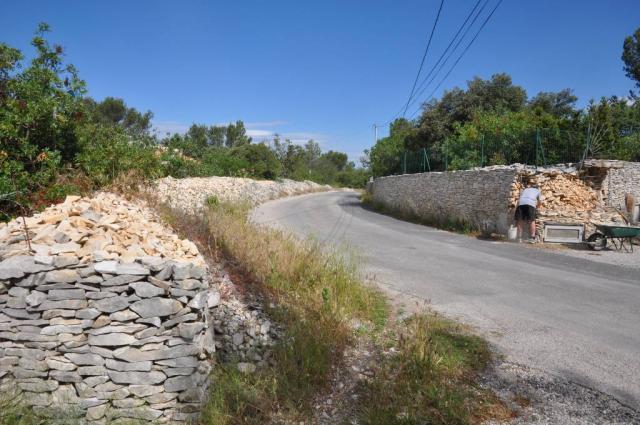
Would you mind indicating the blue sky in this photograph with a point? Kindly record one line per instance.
(325, 70)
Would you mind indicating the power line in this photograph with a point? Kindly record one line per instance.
(424, 56)
(420, 87)
(462, 54)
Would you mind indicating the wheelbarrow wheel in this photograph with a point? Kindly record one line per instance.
(597, 242)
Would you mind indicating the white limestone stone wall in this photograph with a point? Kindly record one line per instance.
(620, 181)
(479, 197)
(107, 339)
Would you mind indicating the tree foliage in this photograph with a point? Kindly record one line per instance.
(494, 122)
(55, 140)
(631, 56)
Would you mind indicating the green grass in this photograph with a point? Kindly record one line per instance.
(431, 379)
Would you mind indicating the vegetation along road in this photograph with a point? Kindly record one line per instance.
(569, 317)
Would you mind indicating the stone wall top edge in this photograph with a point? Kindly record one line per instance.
(449, 173)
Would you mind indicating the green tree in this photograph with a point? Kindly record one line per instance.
(216, 136)
(338, 159)
(613, 128)
(561, 104)
(292, 159)
(312, 152)
(198, 141)
(262, 161)
(39, 111)
(115, 111)
(631, 56)
(458, 106)
(385, 155)
(236, 135)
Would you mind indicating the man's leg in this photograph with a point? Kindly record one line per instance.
(532, 229)
(520, 224)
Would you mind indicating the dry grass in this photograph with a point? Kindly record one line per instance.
(317, 295)
(431, 379)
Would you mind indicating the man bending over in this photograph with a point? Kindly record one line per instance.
(530, 198)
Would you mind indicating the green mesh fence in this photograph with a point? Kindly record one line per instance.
(541, 147)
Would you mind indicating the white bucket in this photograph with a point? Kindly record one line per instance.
(512, 234)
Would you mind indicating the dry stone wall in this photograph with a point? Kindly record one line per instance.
(105, 312)
(486, 198)
(479, 197)
(190, 194)
(620, 181)
(117, 340)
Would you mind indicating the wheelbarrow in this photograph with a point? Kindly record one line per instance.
(620, 236)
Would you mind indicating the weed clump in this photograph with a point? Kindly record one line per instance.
(430, 379)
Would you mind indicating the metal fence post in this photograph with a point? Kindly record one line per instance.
(540, 149)
(426, 160)
(404, 164)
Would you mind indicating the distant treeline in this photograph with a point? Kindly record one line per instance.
(495, 122)
(55, 140)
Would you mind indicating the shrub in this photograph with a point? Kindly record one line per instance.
(262, 161)
(107, 151)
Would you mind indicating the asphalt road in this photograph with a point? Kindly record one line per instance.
(567, 316)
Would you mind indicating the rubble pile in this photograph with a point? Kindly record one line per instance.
(105, 227)
(190, 194)
(566, 198)
(244, 333)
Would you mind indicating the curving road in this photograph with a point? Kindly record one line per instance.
(566, 316)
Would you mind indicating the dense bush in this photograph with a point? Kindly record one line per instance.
(54, 140)
(106, 151)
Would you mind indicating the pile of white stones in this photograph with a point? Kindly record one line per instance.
(106, 312)
(190, 194)
(103, 227)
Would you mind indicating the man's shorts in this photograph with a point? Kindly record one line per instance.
(525, 213)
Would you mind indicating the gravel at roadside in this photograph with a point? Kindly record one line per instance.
(607, 256)
(544, 399)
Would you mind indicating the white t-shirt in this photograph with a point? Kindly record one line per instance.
(530, 196)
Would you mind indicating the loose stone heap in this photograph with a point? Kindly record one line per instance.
(566, 198)
(87, 325)
(190, 194)
(244, 334)
(105, 227)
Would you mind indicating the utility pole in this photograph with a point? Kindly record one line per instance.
(375, 132)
